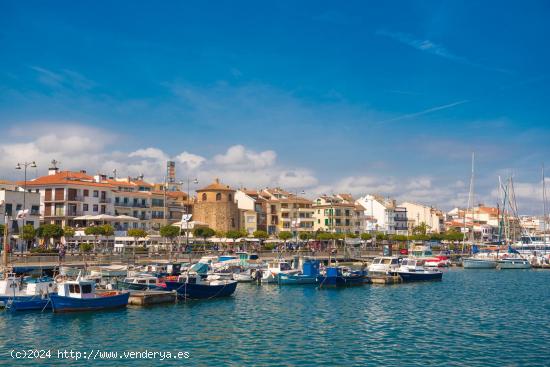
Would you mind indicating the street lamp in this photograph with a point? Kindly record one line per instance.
(297, 220)
(187, 217)
(25, 165)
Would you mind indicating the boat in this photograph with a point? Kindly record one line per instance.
(81, 295)
(412, 270)
(308, 275)
(275, 268)
(195, 286)
(13, 287)
(336, 277)
(384, 265)
(110, 271)
(513, 263)
(479, 263)
(139, 283)
(29, 303)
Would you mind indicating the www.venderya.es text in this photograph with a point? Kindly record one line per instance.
(96, 354)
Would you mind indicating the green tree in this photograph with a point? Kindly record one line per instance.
(233, 234)
(170, 232)
(285, 235)
(366, 236)
(204, 233)
(27, 233)
(136, 233)
(68, 232)
(352, 235)
(108, 230)
(304, 236)
(324, 236)
(261, 235)
(421, 229)
(49, 231)
(95, 231)
(86, 247)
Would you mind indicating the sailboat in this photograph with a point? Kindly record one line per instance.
(512, 259)
(477, 261)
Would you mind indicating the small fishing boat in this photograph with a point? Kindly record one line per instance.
(195, 286)
(276, 268)
(80, 295)
(29, 303)
(13, 287)
(412, 270)
(308, 275)
(336, 277)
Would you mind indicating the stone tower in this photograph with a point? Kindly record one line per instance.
(216, 206)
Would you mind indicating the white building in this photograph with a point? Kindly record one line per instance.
(19, 208)
(419, 213)
(383, 215)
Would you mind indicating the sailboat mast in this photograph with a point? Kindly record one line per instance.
(543, 209)
(473, 199)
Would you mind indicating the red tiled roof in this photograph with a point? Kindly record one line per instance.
(66, 178)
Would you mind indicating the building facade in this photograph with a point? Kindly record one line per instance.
(338, 214)
(419, 213)
(287, 212)
(216, 206)
(383, 215)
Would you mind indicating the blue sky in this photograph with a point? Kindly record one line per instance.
(388, 97)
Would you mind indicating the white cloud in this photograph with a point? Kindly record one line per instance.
(190, 160)
(238, 155)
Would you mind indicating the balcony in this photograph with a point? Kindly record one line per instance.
(131, 205)
(74, 213)
(75, 198)
(105, 200)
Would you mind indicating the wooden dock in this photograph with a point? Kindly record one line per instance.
(147, 298)
(385, 279)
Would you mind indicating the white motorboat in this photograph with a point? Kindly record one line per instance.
(479, 263)
(412, 270)
(513, 263)
(385, 265)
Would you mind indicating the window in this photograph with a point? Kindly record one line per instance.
(18, 207)
(96, 194)
(218, 196)
(250, 219)
(85, 207)
(86, 192)
(96, 207)
(8, 209)
(204, 197)
(86, 288)
(230, 197)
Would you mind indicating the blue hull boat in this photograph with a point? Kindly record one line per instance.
(201, 291)
(30, 303)
(420, 276)
(290, 279)
(72, 304)
(335, 278)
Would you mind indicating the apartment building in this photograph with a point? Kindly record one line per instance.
(339, 214)
(253, 208)
(385, 216)
(65, 195)
(419, 213)
(14, 201)
(287, 211)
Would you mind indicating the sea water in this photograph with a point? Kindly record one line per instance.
(470, 318)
